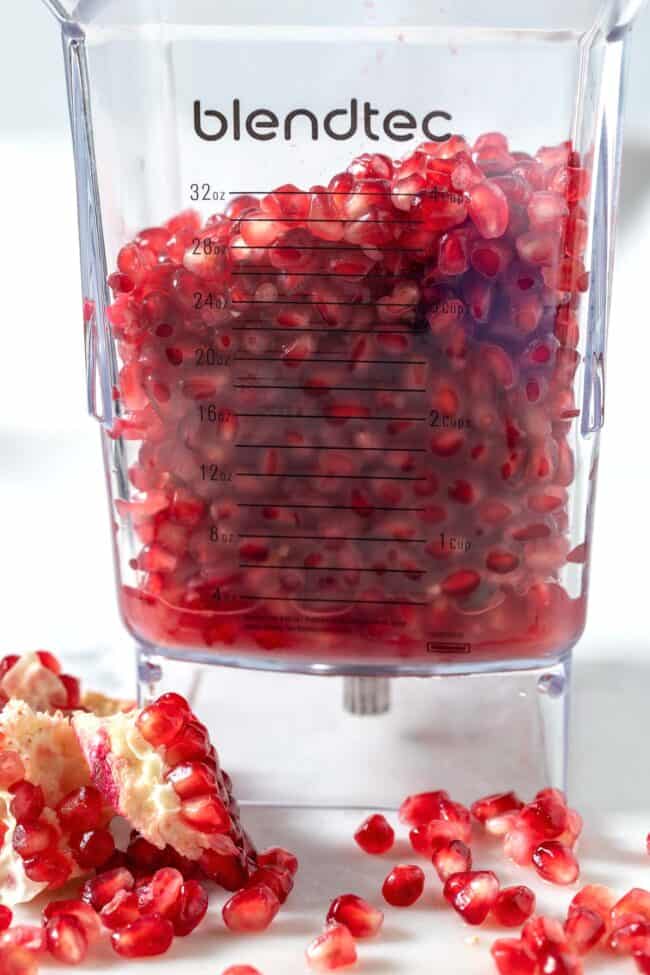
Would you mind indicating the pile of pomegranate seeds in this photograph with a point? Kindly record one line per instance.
(398, 346)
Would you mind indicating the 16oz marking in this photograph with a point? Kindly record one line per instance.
(212, 414)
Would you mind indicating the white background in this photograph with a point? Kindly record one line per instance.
(56, 585)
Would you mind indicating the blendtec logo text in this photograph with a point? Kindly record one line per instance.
(341, 124)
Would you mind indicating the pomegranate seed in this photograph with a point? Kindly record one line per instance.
(418, 810)
(333, 949)
(81, 810)
(278, 857)
(162, 895)
(495, 805)
(546, 817)
(66, 939)
(636, 901)
(32, 839)
(52, 868)
(6, 917)
(539, 931)
(596, 898)
(241, 970)
(83, 913)
(403, 886)
(360, 918)
(553, 961)
(375, 835)
(556, 863)
(277, 879)
(512, 957)
(143, 938)
(92, 849)
(192, 908)
(630, 933)
(207, 814)
(519, 845)
(27, 936)
(99, 890)
(472, 894)
(488, 208)
(121, 910)
(642, 959)
(17, 961)
(192, 779)
(583, 929)
(513, 906)
(160, 723)
(252, 909)
(452, 857)
(227, 870)
(28, 801)
(73, 689)
(49, 660)
(142, 854)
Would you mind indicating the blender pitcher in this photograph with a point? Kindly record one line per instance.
(346, 274)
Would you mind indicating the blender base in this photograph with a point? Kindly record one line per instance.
(287, 738)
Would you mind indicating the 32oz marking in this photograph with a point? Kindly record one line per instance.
(204, 192)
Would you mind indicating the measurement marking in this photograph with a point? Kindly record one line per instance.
(320, 507)
(297, 192)
(327, 599)
(314, 304)
(305, 274)
(291, 446)
(332, 330)
(332, 538)
(336, 247)
(330, 568)
(367, 362)
(238, 384)
(328, 416)
(345, 220)
(343, 477)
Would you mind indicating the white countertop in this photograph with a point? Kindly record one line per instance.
(58, 592)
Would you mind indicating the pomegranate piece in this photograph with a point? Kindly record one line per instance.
(27, 936)
(375, 835)
(418, 810)
(192, 908)
(596, 898)
(513, 906)
(17, 961)
(66, 939)
(553, 961)
(546, 817)
(539, 932)
(122, 909)
(83, 913)
(636, 901)
(512, 957)
(556, 863)
(583, 929)
(276, 856)
(452, 857)
(6, 917)
(252, 909)
(472, 894)
(360, 918)
(629, 933)
(100, 890)
(403, 886)
(241, 970)
(168, 785)
(495, 805)
(143, 938)
(331, 950)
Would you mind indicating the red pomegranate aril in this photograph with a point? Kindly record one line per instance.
(144, 938)
(553, 961)
(241, 970)
(66, 939)
(33, 839)
(28, 936)
(52, 868)
(513, 906)
(583, 929)
(276, 856)
(84, 914)
(93, 849)
(121, 910)
(207, 814)
(495, 805)
(556, 863)
(6, 917)
(160, 723)
(99, 890)
(251, 910)
(512, 957)
(17, 961)
(546, 817)
(540, 931)
(81, 810)
(192, 779)
(635, 901)
(488, 208)
(472, 894)
(192, 908)
(360, 918)
(277, 879)
(331, 950)
(452, 857)
(403, 886)
(420, 809)
(596, 898)
(28, 801)
(162, 894)
(227, 870)
(191, 744)
(375, 835)
(630, 933)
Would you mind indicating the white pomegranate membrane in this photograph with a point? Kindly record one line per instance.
(348, 411)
